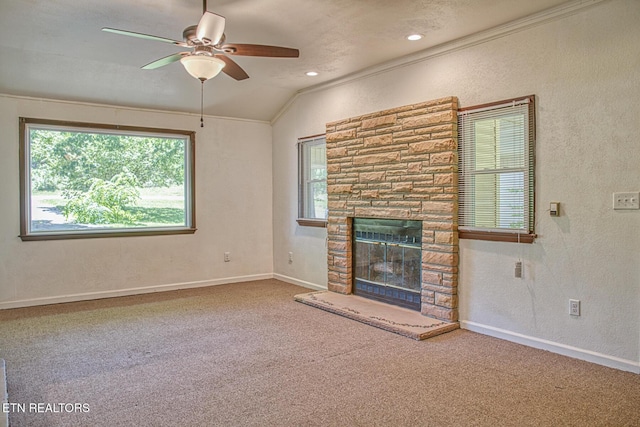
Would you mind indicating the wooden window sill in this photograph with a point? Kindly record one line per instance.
(497, 236)
(84, 235)
(306, 222)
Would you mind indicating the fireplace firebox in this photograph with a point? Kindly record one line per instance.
(387, 260)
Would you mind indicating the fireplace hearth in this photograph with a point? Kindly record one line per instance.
(388, 261)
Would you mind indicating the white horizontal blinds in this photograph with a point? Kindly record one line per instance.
(496, 167)
(313, 178)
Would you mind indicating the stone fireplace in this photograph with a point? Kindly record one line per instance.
(398, 164)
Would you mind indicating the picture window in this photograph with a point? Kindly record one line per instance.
(82, 180)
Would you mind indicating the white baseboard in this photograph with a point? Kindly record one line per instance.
(554, 347)
(298, 282)
(131, 291)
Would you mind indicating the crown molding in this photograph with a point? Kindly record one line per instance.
(125, 108)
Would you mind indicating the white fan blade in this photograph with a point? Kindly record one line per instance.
(165, 61)
(144, 36)
(210, 28)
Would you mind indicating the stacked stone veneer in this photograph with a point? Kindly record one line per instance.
(398, 164)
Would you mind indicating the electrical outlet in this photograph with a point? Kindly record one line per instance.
(227, 256)
(290, 257)
(574, 307)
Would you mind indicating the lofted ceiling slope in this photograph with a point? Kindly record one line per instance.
(56, 49)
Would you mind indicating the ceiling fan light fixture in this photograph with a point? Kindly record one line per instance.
(202, 67)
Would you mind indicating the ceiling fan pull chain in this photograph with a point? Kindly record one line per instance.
(201, 103)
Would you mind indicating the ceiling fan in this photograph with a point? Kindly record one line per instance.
(209, 50)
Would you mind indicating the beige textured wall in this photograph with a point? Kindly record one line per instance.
(233, 214)
(584, 69)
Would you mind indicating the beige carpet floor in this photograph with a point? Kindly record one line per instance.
(409, 323)
(247, 354)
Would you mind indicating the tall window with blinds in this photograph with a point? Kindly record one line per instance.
(496, 182)
(312, 176)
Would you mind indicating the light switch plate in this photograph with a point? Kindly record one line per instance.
(629, 200)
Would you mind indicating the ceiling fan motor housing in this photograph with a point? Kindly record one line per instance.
(189, 36)
(203, 50)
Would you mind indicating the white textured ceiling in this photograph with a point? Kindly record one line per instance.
(55, 49)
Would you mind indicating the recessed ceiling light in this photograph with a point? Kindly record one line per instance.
(414, 37)
(311, 73)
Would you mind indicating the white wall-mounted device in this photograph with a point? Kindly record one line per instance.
(574, 307)
(629, 200)
(518, 270)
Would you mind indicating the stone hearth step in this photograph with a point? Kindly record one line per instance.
(384, 316)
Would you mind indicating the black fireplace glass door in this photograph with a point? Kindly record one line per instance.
(404, 266)
(387, 261)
